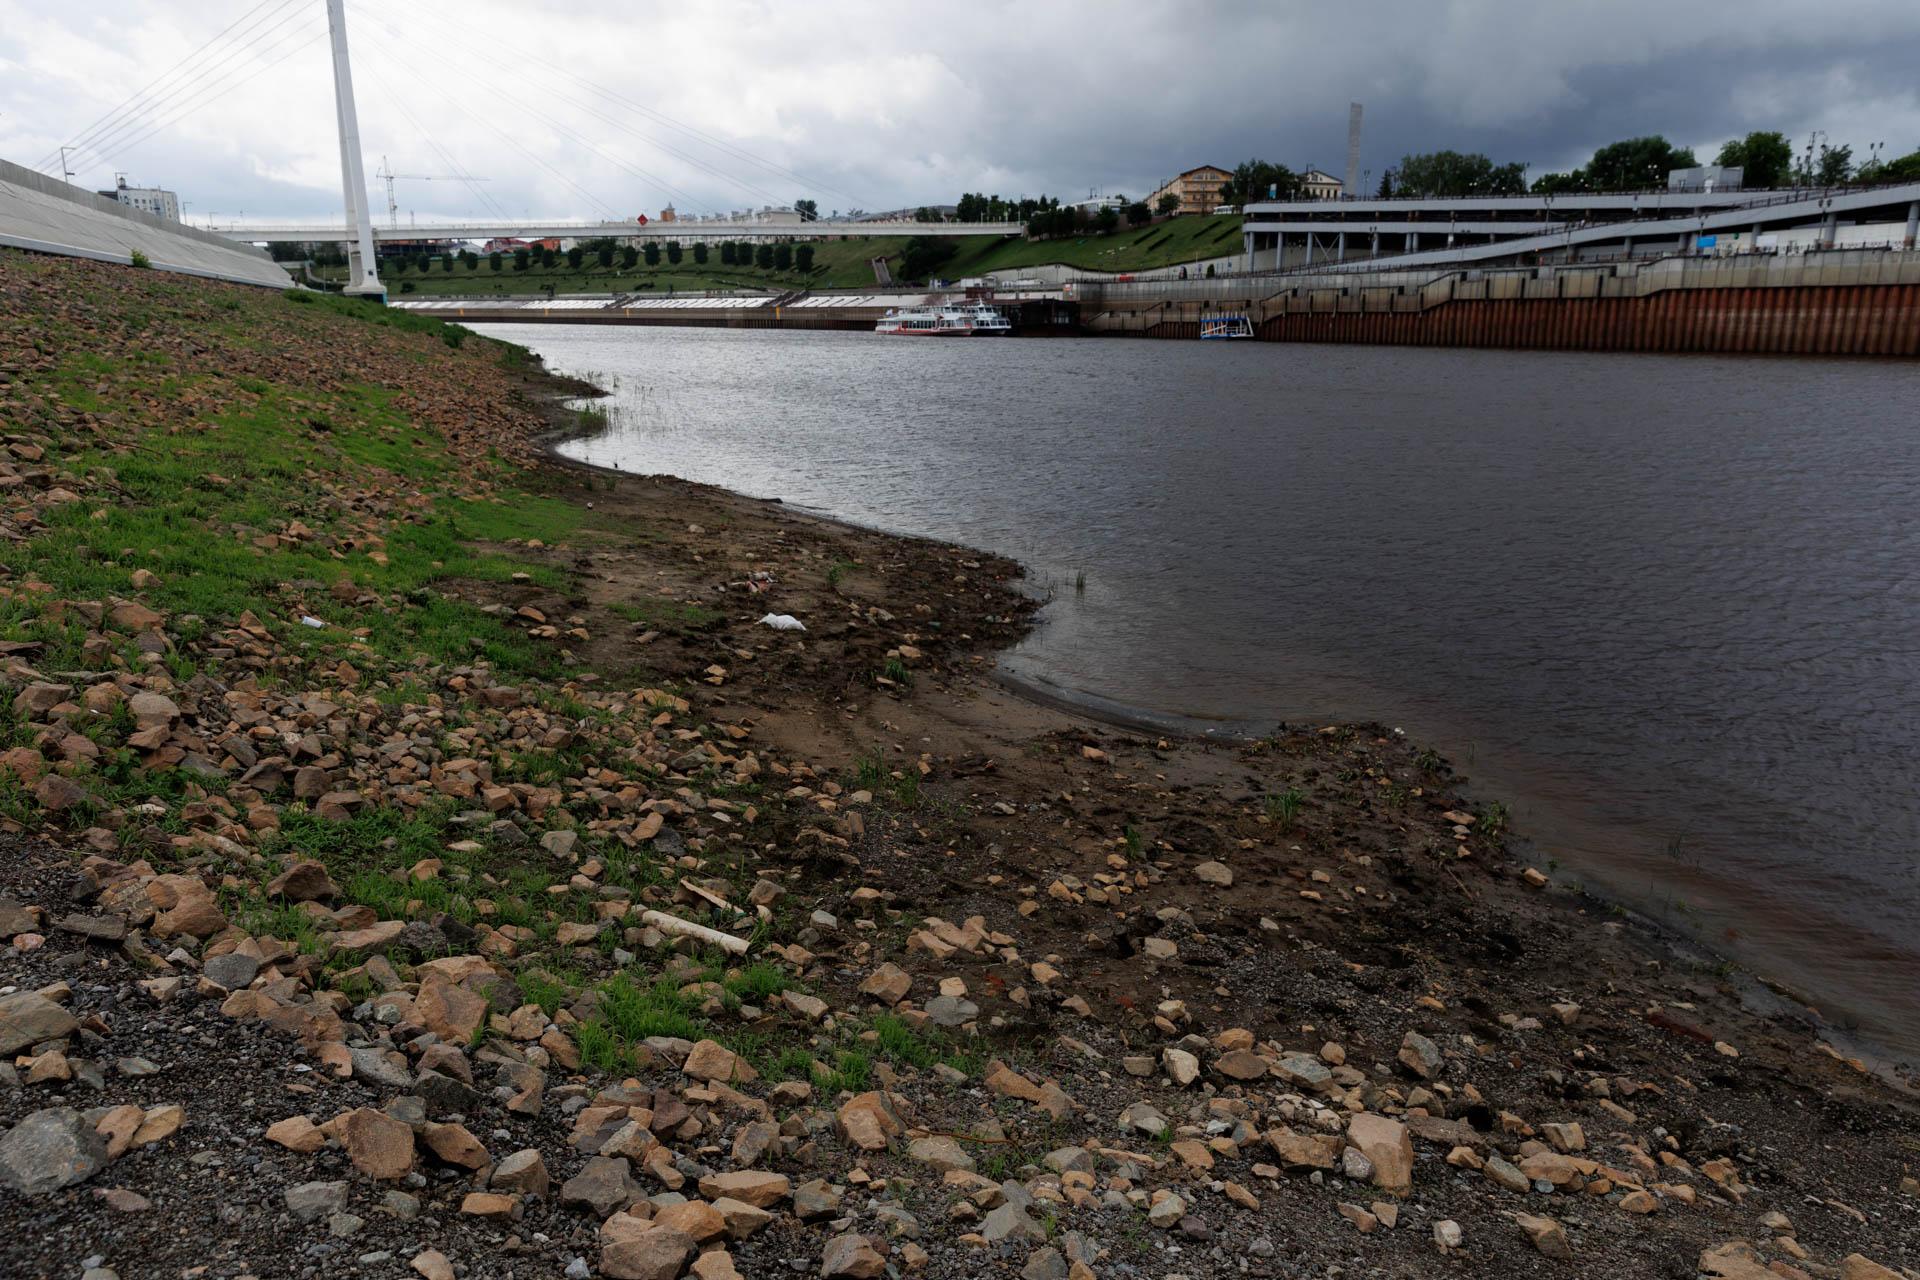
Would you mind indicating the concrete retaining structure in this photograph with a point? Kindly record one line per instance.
(48, 216)
(1837, 303)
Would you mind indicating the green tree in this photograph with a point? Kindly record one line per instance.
(803, 258)
(548, 257)
(783, 256)
(763, 256)
(673, 252)
(1765, 157)
(1107, 221)
(1168, 205)
(1636, 164)
(808, 210)
(726, 253)
(446, 263)
(1901, 169)
(471, 260)
(700, 253)
(1386, 186)
(1138, 215)
(629, 256)
(653, 253)
(1833, 167)
(575, 256)
(1259, 180)
(520, 257)
(493, 260)
(604, 255)
(400, 265)
(1453, 173)
(925, 255)
(1556, 184)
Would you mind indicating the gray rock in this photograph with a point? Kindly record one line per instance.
(374, 1065)
(1069, 1160)
(134, 1068)
(951, 1011)
(1145, 1117)
(603, 1185)
(27, 1018)
(1045, 1264)
(48, 1150)
(816, 1199)
(99, 928)
(1010, 1222)
(345, 1226)
(311, 1201)
(232, 971)
(401, 1205)
(1304, 1070)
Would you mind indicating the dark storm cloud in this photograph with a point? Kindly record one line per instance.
(890, 104)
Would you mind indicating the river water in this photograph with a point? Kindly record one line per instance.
(1668, 607)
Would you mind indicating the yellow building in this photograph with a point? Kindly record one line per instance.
(1200, 190)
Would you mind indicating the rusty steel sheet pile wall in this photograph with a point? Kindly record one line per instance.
(1844, 303)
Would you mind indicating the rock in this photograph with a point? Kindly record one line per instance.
(490, 1204)
(749, 1186)
(160, 1124)
(57, 793)
(523, 1172)
(453, 1144)
(1214, 873)
(1857, 1267)
(1167, 1211)
(1045, 1264)
(710, 1061)
(743, 1219)
(1505, 1175)
(311, 1201)
(1241, 1064)
(379, 1146)
(1181, 1067)
(867, 1121)
(851, 1257)
(1145, 1117)
(451, 1012)
(232, 971)
(1447, 1235)
(602, 1185)
(28, 1018)
(889, 984)
(379, 1066)
(1639, 1202)
(1565, 1137)
(99, 928)
(356, 944)
(1363, 1221)
(303, 882)
(1069, 1160)
(695, 1217)
(297, 1133)
(1547, 1235)
(1388, 1145)
(1420, 1055)
(1304, 1070)
(951, 1011)
(1010, 1222)
(642, 1251)
(433, 1264)
(49, 1150)
(940, 1153)
(816, 1199)
(715, 1264)
(1302, 1151)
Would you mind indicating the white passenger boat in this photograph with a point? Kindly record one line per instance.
(988, 320)
(927, 322)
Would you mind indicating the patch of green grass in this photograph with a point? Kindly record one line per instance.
(657, 613)
(1283, 808)
(758, 983)
(852, 1072)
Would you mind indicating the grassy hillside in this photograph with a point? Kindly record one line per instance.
(844, 264)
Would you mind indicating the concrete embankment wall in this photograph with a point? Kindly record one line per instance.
(49, 216)
(1840, 303)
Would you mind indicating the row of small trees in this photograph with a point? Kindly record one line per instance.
(783, 256)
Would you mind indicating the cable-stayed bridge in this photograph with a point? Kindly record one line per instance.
(523, 92)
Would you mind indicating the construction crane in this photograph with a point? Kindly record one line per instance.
(393, 206)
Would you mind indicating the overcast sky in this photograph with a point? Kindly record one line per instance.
(885, 104)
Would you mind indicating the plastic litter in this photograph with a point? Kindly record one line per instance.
(308, 620)
(783, 622)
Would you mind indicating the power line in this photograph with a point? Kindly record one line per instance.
(139, 105)
(394, 100)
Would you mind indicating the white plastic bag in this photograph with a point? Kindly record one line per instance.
(783, 622)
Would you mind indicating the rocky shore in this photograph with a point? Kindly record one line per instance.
(420, 858)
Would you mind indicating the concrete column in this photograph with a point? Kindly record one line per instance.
(1827, 230)
(1374, 250)
(362, 279)
(1413, 242)
(1626, 248)
(1913, 222)
(1685, 243)
(1340, 254)
(1309, 261)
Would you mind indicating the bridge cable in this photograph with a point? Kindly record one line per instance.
(145, 101)
(579, 139)
(661, 117)
(394, 100)
(212, 92)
